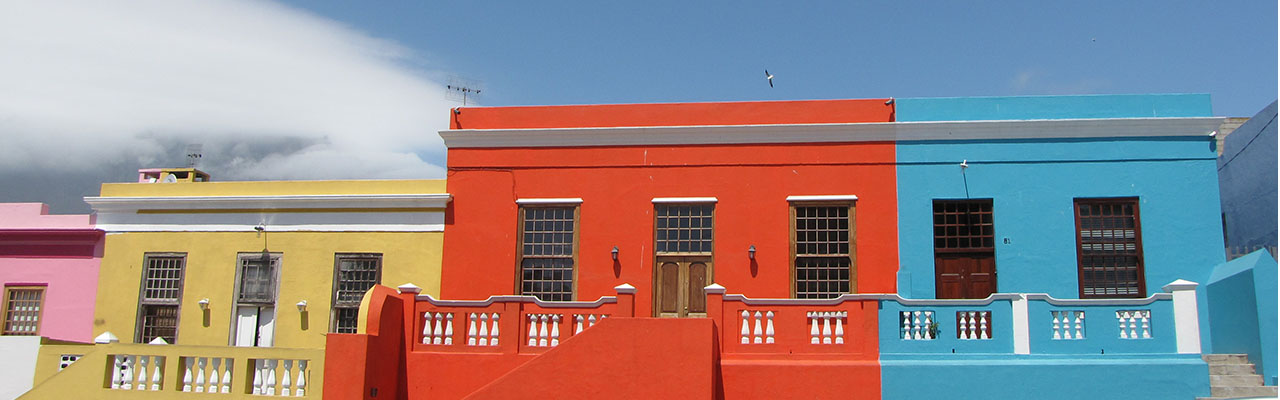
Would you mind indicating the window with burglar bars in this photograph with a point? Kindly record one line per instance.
(1109, 248)
(823, 246)
(258, 278)
(963, 225)
(161, 298)
(548, 238)
(353, 276)
(22, 310)
(683, 229)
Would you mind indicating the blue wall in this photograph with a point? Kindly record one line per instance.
(1032, 184)
(1247, 174)
(1241, 296)
(957, 376)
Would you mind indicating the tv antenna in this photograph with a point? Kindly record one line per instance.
(193, 155)
(459, 89)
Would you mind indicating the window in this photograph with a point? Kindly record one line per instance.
(22, 310)
(258, 278)
(548, 238)
(683, 229)
(1109, 248)
(161, 298)
(963, 226)
(354, 274)
(823, 250)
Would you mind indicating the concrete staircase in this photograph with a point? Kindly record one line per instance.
(1232, 376)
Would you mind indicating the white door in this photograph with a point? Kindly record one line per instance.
(255, 326)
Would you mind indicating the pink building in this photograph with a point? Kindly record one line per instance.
(49, 269)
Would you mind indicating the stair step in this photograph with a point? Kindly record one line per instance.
(1232, 369)
(1225, 358)
(1234, 380)
(1242, 391)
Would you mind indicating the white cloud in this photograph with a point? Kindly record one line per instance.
(271, 92)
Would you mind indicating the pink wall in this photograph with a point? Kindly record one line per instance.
(61, 253)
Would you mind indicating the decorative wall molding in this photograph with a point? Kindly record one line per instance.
(843, 197)
(332, 213)
(848, 132)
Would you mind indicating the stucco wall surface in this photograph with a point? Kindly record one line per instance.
(60, 253)
(306, 273)
(1247, 178)
(20, 355)
(1241, 297)
(1044, 377)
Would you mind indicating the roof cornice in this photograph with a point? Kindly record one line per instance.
(815, 133)
(335, 201)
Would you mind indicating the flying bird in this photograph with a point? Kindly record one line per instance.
(768, 76)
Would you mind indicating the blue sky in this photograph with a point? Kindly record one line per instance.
(552, 52)
(91, 91)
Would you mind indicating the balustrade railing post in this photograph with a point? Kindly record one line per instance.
(715, 308)
(1021, 325)
(626, 300)
(409, 297)
(1186, 315)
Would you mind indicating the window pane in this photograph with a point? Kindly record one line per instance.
(963, 224)
(547, 259)
(22, 313)
(159, 321)
(356, 274)
(822, 243)
(258, 279)
(1110, 252)
(684, 229)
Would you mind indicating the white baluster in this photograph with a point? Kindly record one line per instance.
(437, 331)
(1079, 324)
(746, 327)
(591, 320)
(493, 333)
(116, 369)
(448, 329)
(271, 378)
(157, 365)
(127, 375)
(543, 333)
(471, 331)
(826, 328)
(905, 332)
(533, 330)
(768, 328)
(813, 328)
(555, 330)
(200, 374)
(258, 370)
(142, 372)
(963, 327)
(1121, 318)
(928, 321)
(1146, 326)
(213, 374)
(302, 378)
(426, 328)
(186, 375)
(287, 380)
(757, 333)
(484, 329)
(982, 325)
(1056, 328)
(840, 327)
(227, 364)
(915, 326)
(577, 324)
(1133, 324)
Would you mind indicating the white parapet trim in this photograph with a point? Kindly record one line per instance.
(517, 299)
(1186, 315)
(839, 197)
(685, 200)
(566, 200)
(1021, 326)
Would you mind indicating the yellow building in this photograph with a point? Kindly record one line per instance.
(196, 268)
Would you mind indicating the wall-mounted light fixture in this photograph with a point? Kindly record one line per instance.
(751, 252)
(204, 304)
(302, 306)
(614, 252)
(964, 164)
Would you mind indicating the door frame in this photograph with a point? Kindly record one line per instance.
(682, 301)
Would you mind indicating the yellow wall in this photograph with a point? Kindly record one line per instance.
(306, 272)
(273, 188)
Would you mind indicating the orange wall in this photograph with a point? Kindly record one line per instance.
(674, 114)
(618, 184)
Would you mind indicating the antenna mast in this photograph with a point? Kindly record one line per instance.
(193, 155)
(462, 89)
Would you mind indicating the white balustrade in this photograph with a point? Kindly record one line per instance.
(828, 334)
(1134, 324)
(544, 330)
(589, 320)
(437, 328)
(917, 325)
(207, 374)
(973, 325)
(763, 327)
(486, 335)
(137, 372)
(67, 360)
(282, 378)
(1068, 325)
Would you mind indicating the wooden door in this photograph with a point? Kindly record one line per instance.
(678, 284)
(965, 275)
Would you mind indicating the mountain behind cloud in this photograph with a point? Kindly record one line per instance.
(90, 91)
